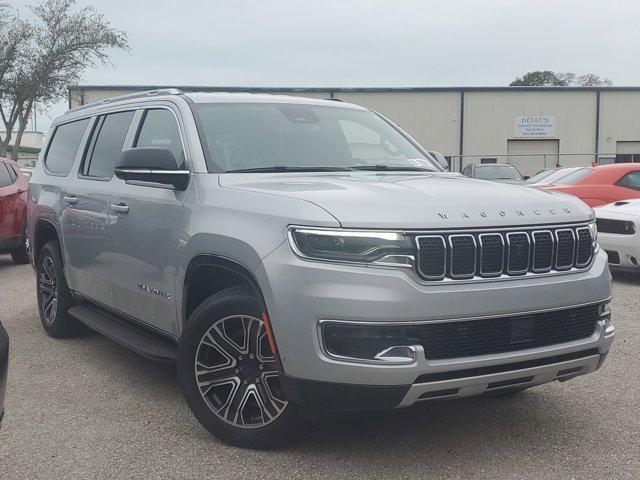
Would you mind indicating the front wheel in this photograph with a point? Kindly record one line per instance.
(229, 374)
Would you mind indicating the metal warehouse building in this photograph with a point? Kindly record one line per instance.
(530, 127)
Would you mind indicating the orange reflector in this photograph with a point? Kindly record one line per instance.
(272, 342)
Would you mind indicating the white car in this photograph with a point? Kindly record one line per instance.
(619, 233)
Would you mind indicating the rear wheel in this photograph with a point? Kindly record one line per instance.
(229, 374)
(54, 297)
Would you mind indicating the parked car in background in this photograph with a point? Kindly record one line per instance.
(619, 233)
(497, 172)
(297, 254)
(13, 211)
(549, 175)
(602, 184)
(4, 366)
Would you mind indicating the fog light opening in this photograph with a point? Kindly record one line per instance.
(634, 261)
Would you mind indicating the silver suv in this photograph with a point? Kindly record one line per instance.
(294, 255)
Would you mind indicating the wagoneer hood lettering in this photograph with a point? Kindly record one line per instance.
(415, 200)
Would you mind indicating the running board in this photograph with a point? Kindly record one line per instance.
(133, 337)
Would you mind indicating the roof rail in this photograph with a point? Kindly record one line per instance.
(129, 96)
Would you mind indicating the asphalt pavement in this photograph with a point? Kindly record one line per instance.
(88, 408)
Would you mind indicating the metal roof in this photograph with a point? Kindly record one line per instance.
(204, 88)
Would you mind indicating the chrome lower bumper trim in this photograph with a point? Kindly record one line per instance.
(466, 387)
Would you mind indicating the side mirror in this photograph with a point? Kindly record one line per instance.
(152, 167)
(526, 177)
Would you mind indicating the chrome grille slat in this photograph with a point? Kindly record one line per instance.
(462, 260)
(459, 255)
(565, 248)
(518, 252)
(542, 260)
(491, 254)
(584, 249)
(434, 267)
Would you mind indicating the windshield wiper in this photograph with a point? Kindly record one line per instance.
(284, 168)
(387, 168)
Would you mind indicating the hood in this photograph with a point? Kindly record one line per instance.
(623, 207)
(411, 200)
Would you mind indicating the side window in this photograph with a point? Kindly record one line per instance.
(466, 171)
(106, 144)
(160, 130)
(630, 180)
(12, 172)
(5, 178)
(64, 146)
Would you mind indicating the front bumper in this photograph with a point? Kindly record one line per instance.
(624, 248)
(299, 294)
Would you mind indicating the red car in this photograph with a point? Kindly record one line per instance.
(13, 210)
(602, 184)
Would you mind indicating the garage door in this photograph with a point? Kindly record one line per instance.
(627, 152)
(531, 156)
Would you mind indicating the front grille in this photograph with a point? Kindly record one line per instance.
(621, 227)
(505, 334)
(463, 255)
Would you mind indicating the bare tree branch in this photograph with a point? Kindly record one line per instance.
(55, 47)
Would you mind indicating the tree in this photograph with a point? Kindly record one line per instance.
(56, 46)
(547, 78)
(539, 78)
(593, 80)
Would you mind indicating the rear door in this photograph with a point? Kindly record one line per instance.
(145, 233)
(88, 196)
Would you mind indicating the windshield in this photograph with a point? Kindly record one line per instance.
(574, 177)
(558, 174)
(541, 175)
(497, 172)
(283, 137)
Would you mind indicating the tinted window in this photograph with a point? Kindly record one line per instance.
(64, 146)
(575, 177)
(160, 130)
(109, 139)
(630, 180)
(246, 136)
(5, 177)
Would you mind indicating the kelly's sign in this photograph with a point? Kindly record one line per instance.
(534, 126)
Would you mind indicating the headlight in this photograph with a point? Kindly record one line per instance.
(594, 235)
(354, 246)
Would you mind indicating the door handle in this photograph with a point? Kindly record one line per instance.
(120, 207)
(71, 199)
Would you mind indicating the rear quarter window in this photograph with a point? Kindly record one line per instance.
(630, 180)
(64, 146)
(6, 178)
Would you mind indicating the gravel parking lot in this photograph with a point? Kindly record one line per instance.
(88, 408)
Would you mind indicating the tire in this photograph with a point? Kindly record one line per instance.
(54, 297)
(19, 254)
(229, 376)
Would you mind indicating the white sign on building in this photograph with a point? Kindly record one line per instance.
(534, 126)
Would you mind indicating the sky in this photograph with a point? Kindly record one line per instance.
(362, 43)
